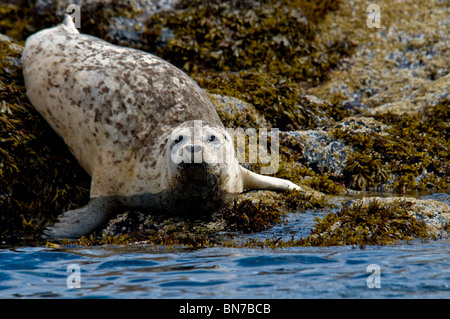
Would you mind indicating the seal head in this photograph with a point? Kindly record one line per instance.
(202, 167)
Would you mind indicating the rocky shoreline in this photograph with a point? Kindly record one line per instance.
(358, 110)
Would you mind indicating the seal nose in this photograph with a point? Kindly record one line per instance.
(193, 148)
(194, 153)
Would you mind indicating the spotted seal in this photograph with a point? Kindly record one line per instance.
(132, 120)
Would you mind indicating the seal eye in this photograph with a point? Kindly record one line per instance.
(179, 139)
(212, 138)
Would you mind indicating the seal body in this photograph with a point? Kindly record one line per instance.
(131, 120)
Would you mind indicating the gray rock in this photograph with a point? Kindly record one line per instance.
(321, 152)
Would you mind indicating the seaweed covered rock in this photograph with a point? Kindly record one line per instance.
(277, 36)
(370, 221)
(402, 66)
(115, 21)
(235, 113)
(38, 175)
(250, 213)
(255, 51)
(389, 152)
(402, 153)
(377, 220)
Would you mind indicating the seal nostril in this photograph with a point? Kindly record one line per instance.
(197, 148)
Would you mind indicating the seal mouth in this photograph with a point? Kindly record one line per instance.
(195, 171)
(201, 165)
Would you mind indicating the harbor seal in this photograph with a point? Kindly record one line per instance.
(146, 133)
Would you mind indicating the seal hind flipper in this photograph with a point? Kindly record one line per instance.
(252, 180)
(69, 25)
(73, 224)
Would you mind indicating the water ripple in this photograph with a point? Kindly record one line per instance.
(261, 261)
(418, 270)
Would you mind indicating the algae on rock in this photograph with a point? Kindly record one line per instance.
(38, 175)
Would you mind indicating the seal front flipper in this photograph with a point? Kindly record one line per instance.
(256, 181)
(73, 224)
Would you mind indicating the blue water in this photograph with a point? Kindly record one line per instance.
(415, 270)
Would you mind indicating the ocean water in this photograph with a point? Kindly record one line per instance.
(415, 270)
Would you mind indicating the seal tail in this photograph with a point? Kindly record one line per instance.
(69, 25)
